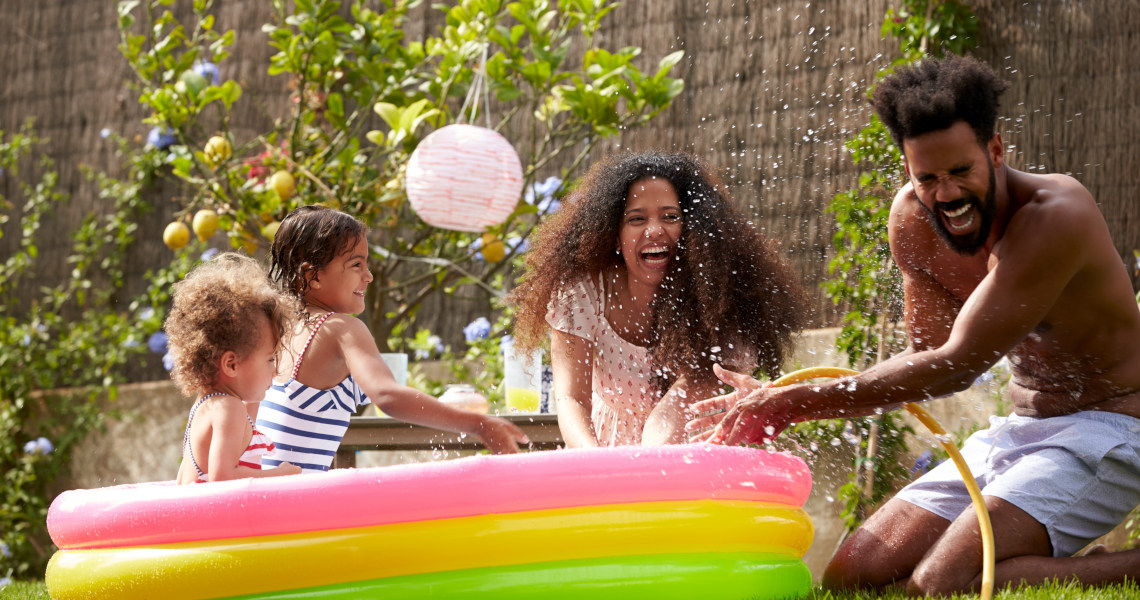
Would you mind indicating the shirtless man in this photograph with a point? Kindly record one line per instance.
(995, 262)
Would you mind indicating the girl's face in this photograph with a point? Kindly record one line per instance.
(339, 286)
(650, 229)
(254, 372)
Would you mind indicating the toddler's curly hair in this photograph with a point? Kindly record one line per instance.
(215, 310)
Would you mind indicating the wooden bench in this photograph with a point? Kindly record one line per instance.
(383, 433)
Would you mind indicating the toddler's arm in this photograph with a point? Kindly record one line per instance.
(571, 358)
(228, 442)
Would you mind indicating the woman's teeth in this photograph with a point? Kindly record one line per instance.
(655, 255)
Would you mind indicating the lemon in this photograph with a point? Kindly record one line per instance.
(493, 249)
(282, 183)
(270, 231)
(205, 223)
(176, 235)
(217, 150)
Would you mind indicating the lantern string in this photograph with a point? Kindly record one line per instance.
(478, 86)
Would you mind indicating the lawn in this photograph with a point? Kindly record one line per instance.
(37, 591)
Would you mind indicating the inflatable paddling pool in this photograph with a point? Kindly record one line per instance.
(684, 521)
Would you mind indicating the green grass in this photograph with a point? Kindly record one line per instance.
(1054, 591)
(23, 590)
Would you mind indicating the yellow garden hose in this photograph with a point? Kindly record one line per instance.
(940, 433)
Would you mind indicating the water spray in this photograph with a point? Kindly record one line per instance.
(944, 439)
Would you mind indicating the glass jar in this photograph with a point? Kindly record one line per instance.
(464, 397)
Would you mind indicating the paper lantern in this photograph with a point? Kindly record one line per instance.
(465, 178)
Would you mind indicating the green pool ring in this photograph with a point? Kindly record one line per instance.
(725, 576)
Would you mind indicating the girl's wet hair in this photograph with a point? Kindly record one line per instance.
(309, 238)
(727, 288)
(215, 311)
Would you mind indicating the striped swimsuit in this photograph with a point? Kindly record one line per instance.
(307, 424)
(259, 443)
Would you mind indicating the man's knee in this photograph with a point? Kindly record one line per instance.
(860, 562)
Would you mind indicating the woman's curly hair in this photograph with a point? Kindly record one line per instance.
(309, 238)
(726, 295)
(215, 310)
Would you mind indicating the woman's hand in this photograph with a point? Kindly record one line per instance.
(500, 436)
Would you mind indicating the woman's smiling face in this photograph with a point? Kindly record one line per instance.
(650, 228)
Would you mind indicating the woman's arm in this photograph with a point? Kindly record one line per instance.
(571, 358)
(666, 422)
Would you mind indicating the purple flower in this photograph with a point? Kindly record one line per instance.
(923, 463)
(157, 342)
(161, 137)
(168, 362)
(146, 313)
(207, 70)
(544, 195)
(518, 244)
(5, 581)
(209, 253)
(5, 550)
(40, 445)
(507, 342)
(477, 329)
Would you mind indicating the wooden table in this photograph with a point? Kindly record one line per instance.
(383, 433)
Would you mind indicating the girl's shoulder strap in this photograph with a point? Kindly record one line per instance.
(300, 357)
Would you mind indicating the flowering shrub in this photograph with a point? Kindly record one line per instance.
(61, 352)
(491, 63)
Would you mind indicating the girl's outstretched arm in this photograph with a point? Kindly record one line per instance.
(572, 360)
(362, 357)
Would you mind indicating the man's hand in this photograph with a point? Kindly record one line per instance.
(711, 412)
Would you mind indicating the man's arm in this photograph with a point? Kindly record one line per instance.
(1040, 253)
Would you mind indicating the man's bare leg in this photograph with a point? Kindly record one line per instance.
(1101, 568)
(886, 548)
(954, 562)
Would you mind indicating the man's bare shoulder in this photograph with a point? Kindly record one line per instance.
(908, 230)
(1052, 204)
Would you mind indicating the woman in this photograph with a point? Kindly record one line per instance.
(646, 278)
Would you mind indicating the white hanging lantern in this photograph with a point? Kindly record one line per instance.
(465, 178)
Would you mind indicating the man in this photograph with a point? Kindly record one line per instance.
(995, 262)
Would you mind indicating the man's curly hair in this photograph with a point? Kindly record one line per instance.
(215, 310)
(309, 238)
(935, 93)
(725, 293)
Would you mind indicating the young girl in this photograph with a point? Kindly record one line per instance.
(646, 278)
(225, 329)
(334, 366)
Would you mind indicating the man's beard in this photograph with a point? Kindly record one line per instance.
(972, 243)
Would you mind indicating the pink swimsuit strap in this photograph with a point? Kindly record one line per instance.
(305, 348)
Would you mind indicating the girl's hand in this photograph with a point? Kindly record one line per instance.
(287, 468)
(500, 436)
